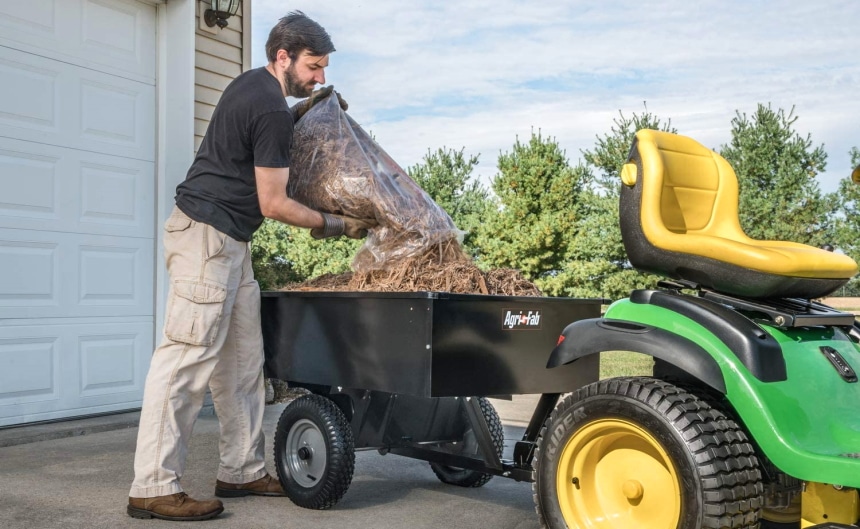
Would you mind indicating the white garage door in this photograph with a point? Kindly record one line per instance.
(77, 206)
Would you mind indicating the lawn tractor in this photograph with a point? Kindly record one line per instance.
(752, 413)
(751, 418)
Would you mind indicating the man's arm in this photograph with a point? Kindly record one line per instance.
(275, 204)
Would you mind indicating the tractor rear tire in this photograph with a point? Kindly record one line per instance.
(468, 446)
(314, 452)
(640, 452)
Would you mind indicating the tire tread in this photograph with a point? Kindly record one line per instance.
(340, 454)
(474, 478)
(730, 475)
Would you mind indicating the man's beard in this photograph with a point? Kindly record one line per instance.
(294, 87)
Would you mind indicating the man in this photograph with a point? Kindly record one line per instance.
(212, 334)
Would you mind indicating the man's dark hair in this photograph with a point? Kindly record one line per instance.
(295, 33)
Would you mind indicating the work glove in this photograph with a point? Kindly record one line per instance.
(336, 225)
(302, 107)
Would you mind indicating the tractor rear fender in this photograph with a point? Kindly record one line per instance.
(587, 337)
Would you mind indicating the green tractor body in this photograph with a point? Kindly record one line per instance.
(807, 425)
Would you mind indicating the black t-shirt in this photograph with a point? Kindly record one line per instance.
(251, 126)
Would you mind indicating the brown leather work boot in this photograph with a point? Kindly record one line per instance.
(177, 507)
(265, 486)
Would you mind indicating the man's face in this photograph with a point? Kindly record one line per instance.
(304, 73)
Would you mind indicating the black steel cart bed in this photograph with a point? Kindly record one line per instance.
(409, 373)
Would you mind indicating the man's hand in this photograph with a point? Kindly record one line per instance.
(336, 225)
(301, 108)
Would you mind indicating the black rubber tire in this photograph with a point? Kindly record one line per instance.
(473, 478)
(322, 418)
(718, 473)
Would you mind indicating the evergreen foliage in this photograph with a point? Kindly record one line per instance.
(446, 175)
(536, 217)
(284, 254)
(599, 245)
(847, 223)
(780, 199)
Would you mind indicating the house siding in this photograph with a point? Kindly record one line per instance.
(220, 56)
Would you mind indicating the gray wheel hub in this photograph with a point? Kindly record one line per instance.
(306, 453)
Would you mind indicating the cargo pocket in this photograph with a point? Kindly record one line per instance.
(194, 312)
(177, 221)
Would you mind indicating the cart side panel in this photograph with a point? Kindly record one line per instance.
(375, 343)
(500, 345)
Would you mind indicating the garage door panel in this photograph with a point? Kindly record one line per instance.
(29, 93)
(116, 196)
(30, 274)
(93, 111)
(29, 184)
(109, 363)
(108, 275)
(65, 190)
(117, 31)
(113, 36)
(31, 368)
(52, 274)
(86, 365)
(111, 113)
(33, 16)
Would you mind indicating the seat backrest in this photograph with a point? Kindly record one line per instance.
(679, 218)
(686, 188)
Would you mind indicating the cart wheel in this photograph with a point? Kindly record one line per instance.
(639, 452)
(314, 452)
(469, 446)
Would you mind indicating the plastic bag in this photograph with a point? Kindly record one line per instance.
(338, 168)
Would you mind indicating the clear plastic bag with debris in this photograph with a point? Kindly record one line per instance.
(338, 168)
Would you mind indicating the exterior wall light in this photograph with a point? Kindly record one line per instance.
(219, 12)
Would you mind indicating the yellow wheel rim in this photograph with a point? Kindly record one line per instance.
(613, 474)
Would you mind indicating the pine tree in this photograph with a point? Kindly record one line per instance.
(847, 223)
(284, 254)
(601, 242)
(446, 175)
(535, 220)
(780, 199)
(597, 264)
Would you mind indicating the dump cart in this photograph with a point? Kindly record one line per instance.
(409, 374)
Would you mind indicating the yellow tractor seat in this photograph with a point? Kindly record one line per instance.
(679, 218)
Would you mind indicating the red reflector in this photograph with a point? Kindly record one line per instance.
(560, 339)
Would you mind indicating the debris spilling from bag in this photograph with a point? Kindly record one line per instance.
(338, 168)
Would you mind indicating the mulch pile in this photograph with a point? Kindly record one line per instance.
(438, 270)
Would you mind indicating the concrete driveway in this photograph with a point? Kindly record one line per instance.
(83, 481)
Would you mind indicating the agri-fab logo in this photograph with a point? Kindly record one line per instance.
(522, 319)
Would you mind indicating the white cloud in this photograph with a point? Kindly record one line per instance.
(476, 73)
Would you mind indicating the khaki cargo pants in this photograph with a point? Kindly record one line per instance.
(212, 338)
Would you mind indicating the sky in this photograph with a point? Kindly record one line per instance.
(479, 74)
